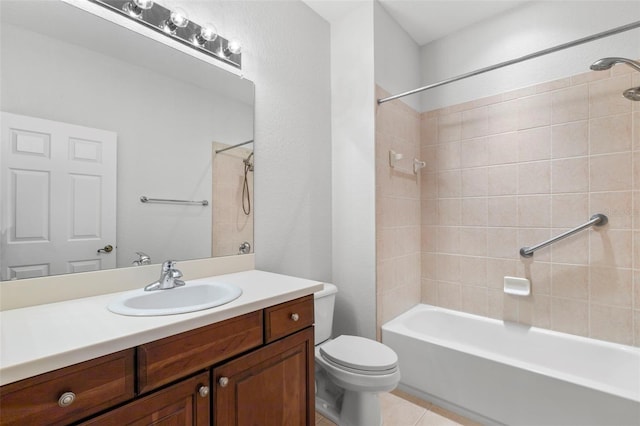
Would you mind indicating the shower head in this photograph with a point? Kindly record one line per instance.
(603, 64)
(248, 163)
(606, 63)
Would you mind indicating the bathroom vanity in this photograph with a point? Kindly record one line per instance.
(244, 363)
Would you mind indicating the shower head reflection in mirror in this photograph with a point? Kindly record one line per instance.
(233, 197)
(246, 195)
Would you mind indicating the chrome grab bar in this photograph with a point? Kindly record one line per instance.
(144, 199)
(597, 219)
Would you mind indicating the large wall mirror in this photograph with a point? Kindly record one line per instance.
(96, 116)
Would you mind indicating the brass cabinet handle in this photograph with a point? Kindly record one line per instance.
(295, 316)
(66, 399)
(203, 391)
(223, 382)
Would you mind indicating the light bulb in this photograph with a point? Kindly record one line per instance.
(134, 8)
(208, 32)
(144, 4)
(177, 19)
(233, 48)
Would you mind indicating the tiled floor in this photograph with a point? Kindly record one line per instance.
(401, 409)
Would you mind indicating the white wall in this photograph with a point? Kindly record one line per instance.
(529, 28)
(397, 57)
(286, 54)
(353, 158)
(357, 55)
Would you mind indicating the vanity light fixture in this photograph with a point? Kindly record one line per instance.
(175, 24)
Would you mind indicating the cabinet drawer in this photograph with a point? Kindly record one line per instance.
(184, 403)
(287, 318)
(95, 385)
(172, 358)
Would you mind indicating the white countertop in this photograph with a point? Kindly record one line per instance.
(38, 339)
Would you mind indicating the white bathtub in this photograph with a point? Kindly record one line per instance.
(497, 372)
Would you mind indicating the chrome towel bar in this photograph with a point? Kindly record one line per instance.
(597, 219)
(144, 199)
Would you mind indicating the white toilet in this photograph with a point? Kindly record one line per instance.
(350, 370)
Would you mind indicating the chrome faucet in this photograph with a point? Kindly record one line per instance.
(168, 278)
(143, 259)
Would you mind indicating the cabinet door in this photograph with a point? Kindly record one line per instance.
(272, 386)
(185, 403)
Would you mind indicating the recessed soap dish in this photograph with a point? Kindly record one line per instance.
(517, 286)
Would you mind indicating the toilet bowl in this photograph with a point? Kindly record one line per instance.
(350, 370)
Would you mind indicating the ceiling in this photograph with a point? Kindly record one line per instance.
(423, 20)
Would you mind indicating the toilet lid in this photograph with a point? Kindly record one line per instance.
(359, 353)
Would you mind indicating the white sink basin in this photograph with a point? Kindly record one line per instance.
(194, 296)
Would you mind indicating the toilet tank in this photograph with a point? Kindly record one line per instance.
(324, 301)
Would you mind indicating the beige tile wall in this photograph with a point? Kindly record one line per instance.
(397, 210)
(230, 227)
(515, 169)
(510, 171)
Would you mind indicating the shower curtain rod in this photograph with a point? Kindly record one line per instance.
(218, 151)
(593, 37)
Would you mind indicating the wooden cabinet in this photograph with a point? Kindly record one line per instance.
(186, 403)
(272, 386)
(169, 359)
(261, 365)
(70, 393)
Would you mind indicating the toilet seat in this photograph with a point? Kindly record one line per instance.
(359, 355)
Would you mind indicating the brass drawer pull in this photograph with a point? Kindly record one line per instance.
(66, 399)
(295, 316)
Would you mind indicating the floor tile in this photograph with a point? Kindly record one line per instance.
(399, 412)
(432, 419)
(401, 409)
